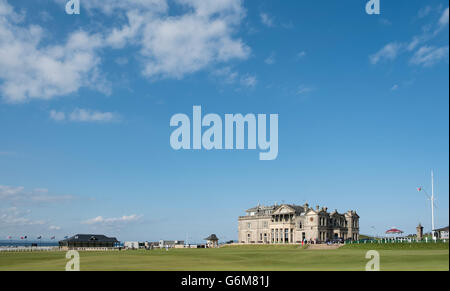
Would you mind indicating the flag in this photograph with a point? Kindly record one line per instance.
(52, 237)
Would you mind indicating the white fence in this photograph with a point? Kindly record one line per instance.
(28, 249)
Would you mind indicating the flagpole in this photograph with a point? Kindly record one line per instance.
(432, 204)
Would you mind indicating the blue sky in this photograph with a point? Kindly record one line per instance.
(86, 100)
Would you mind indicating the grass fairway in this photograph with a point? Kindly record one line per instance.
(251, 258)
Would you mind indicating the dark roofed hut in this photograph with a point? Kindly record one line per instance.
(83, 241)
(212, 241)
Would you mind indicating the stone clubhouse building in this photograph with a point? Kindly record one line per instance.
(293, 224)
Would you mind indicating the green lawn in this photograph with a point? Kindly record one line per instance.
(260, 258)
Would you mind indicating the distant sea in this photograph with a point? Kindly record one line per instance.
(25, 243)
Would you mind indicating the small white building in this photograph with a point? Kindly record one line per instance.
(212, 241)
(131, 245)
(170, 243)
(441, 233)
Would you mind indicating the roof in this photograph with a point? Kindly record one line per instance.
(212, 237)
(91, 238)
(441, 229)
(394, 230)
(260, 207)
(298, 209)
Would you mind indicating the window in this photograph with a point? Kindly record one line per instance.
(300, 225)
(249, 225)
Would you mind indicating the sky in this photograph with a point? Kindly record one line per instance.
(86, 102)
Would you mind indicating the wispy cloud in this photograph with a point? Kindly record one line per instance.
(31, 70)
(85, 115)
(13, 217)
(270, 60)
(424, 11)
(303, 89)
(423, 54)
(201, 36)
(18, 194)
(227, 74)
(57, 115)
(267, 20)
(249, 81)
(443, 21)
(388, 52)
(231, 77)
(428, 55)
(110, 221)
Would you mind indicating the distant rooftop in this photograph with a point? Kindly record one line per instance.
(91, 238)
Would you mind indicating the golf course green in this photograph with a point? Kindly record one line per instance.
(238, 258)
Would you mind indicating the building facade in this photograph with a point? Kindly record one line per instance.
(293, 224)
(89, 241)
(441, 233)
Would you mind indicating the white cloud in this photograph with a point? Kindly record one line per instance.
(429, 55)
(266, 20)
(227, 74)
(199, 35)
(176, 46)
(271, 59)
(108, 221)
(249, 81)
(14, 217)
(114, 6)
(57, 116)
(443, 21)
(18, 194)
(53, 227)
(7, 192)
(85, 115)
(304, 90)
(425, 11)
(388, 52)
(426, 55)
(31, 70)
(173, 46)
